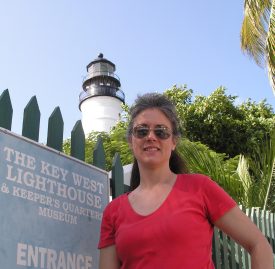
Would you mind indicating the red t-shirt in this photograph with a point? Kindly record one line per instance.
(177, 235)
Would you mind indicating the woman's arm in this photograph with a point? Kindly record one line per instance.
(108, 258)
(238, 226)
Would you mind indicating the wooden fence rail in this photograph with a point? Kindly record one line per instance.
(227, 254)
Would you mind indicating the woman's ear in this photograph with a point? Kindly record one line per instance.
(175, 142)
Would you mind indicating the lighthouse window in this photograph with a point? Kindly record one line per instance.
(95, 68)
(103, 67)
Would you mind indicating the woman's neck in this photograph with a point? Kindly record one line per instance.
(150, 178)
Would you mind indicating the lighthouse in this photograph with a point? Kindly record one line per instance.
(101, 98)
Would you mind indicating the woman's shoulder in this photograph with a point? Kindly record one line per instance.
(193, 182)
(116, 203)
(199, 183)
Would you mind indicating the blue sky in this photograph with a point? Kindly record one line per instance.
(46, 45)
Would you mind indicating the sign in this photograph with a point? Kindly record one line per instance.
(50, 207)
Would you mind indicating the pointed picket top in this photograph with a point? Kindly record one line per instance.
(78, 141)
(264, 219)
(5, 110)
(117, 177)
(31, 120)
(254, 218)
(99, 154)
(270, 228)
(55, 130)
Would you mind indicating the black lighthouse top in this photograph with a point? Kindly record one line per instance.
(101, 80)
(100, 59)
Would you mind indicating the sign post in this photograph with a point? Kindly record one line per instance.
(50, 207)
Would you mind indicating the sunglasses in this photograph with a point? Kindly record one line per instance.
(160, 132)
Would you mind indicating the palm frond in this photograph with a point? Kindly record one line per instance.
(262, 169)
(258, 34)
(269, 169)
(200, 159)
(270, 48)
(253, 32)
(252, 42)
(271, 179)
(243, 172)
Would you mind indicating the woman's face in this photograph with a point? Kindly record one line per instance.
(152, 150)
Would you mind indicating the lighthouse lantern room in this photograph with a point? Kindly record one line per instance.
(101, 98)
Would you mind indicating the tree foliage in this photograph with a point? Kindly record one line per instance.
(218, 122)
(201, 159)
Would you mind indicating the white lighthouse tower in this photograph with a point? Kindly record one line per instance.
(101, 98)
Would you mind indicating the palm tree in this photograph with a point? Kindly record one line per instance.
(258, 34)
(263, 171)
(201, 159)
(250, 181)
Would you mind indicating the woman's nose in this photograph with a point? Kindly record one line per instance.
(151, 135)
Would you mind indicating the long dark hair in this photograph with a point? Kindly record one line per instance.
(161, 102)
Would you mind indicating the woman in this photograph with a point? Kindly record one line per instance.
(166, 221)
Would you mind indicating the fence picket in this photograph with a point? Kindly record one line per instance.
(99, 154)
(55, 130)
(268, 224)
(273, 230)
(261, 226)
(224, 250)
(6, 110)
(232, 260)
(216, 249)
(117, 177)
(78, 141)
(240, 256)
(245, 253)
(31, 120)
